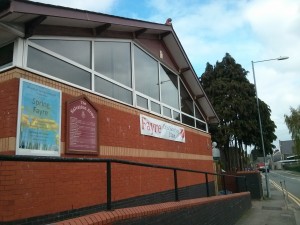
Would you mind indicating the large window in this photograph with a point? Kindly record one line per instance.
(78, 51)
(112, 90)
(112, 59)
(146, 74)
(6, 55)
(45, 63)
(169, 87)
(120, 70)
(187, 104)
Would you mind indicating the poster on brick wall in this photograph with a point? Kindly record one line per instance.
(39, 119)
(160, 129)
(82, 127)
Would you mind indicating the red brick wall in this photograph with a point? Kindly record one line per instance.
(29, 189)
(122, 129)
(208, 210)
(9, 107)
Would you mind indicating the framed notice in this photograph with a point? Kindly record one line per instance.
(82, 127)
(39, 119)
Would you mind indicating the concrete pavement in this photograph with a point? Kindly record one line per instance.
(276, 210)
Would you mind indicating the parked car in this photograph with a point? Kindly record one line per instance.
(261, 167)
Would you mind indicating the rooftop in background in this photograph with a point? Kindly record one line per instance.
(286, 147)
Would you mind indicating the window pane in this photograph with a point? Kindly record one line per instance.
(112, 59)
(142, 102)
(167, 112)
(112, 90)
(176, 115)
(78, 51)
(48, 64)
(188, 120)
(169, 88)
(155, 107)
(200, 125)
(6, 55)
(198, 114)
(146, 74)
(186, 101)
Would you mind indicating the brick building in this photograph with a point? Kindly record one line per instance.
(131, 77)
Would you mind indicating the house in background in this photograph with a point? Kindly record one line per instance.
(286, 148)
(78, 84)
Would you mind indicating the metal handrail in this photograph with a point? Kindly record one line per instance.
(108, 168)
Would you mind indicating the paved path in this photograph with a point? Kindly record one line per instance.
(276, 210)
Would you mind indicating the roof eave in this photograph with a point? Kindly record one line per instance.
(171, 39)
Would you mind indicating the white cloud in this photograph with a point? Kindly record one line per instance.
(275, 23)
(248, 30)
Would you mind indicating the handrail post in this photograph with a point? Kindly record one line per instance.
(176, 185)
(207, 187)
(246, 187)
(224, 185)
(108, 185)
(237, 185)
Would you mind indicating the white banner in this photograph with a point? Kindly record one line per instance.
(160, 129)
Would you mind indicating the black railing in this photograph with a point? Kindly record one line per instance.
(109, 176)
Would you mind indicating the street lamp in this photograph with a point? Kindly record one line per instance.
(259, 119)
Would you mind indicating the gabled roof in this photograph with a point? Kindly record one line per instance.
(21, 18)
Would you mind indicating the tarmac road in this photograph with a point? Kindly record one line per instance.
(288, 182)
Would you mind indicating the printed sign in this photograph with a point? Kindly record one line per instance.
(39, 116)
(160, 129)
(82, 127)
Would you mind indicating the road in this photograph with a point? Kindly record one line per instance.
(287, 180)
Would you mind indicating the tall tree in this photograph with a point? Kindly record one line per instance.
(268, 127)
(233, 98)
(293, 123)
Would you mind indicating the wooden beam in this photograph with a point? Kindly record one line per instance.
(100, 29)
(31, 25)
(198, 96)
(182, 70)
(164, 34)
(139, 32)
(211, 117)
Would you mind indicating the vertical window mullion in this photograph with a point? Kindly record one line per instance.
(18, 52)
(134, 98)
(160, 87)
(93, 64)
(194, 113)
(179, 99)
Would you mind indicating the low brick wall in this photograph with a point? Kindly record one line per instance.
(253, 183)
(217, 210)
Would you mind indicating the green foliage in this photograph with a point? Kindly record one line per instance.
(234, 100)
(293, 167)
(268, 127)
(293, 123)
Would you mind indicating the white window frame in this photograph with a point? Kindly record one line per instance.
(21, 49)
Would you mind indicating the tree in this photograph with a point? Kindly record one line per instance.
(268, 127)
(293, 123)
(233, 98)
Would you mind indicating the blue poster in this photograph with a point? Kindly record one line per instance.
(38, 120)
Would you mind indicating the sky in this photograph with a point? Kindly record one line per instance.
(249, 30)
